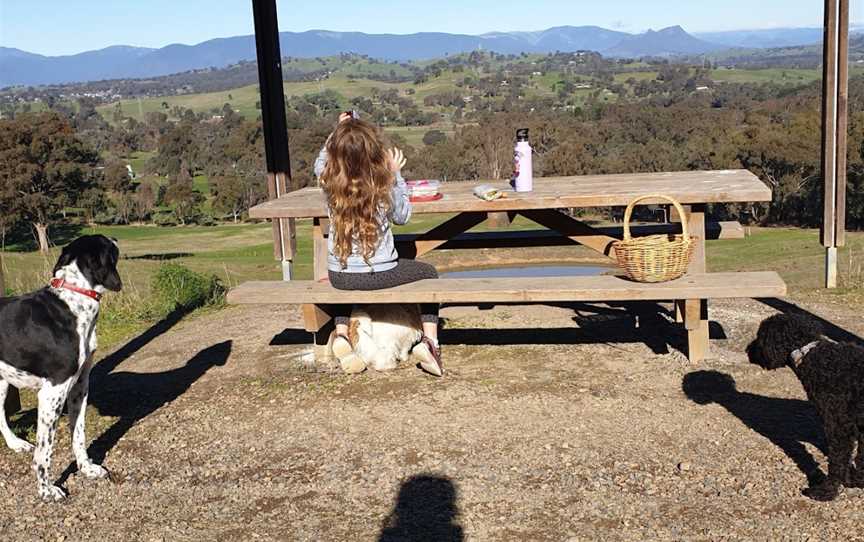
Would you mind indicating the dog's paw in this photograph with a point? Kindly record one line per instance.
(20, 446)
(826, 491)
(384, 365)
(51, 493)
(93, 471)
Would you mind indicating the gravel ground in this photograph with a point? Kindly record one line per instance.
(219, 428)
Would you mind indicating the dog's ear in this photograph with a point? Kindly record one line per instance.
(805, 327)
(107, 272)
(66, 257)
(779, 336)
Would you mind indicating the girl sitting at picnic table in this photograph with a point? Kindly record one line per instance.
(365, 193)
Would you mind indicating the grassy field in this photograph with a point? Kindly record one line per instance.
(414, 134)
(242, 252)
(768, 75)
(244, 99)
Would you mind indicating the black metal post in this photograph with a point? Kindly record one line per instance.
(270, 81)
(274, 124)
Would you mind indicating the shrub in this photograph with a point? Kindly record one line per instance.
(105, 218)
(205, 220)
(165, 219)
(176, 287)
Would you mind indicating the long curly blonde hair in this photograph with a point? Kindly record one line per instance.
(357, 182)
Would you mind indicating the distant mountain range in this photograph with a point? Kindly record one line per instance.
(670, 41)
(117, 62)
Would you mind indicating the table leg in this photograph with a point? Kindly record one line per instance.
(316, 317)
(696, 310)
(500, 220)
(320, 232)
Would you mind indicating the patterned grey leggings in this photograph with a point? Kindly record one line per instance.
(406, 271)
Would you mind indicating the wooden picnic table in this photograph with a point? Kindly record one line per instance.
(694, 189)
(688, 187)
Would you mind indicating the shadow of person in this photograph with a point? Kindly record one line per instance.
(787, 423)
(132, 397)
(425, 510)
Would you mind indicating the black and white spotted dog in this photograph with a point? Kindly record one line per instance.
(47, 339)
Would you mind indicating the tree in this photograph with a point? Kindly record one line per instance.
(145, 200)
(229, 195)
(182, 197)
(9, 218)
(433, 137)
(115, 177)
(43, 168)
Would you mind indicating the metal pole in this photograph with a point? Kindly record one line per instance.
(835, 76)
(274, 123)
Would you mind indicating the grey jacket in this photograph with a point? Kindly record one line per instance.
(385, 256)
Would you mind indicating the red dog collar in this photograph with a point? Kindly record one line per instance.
(61, 283)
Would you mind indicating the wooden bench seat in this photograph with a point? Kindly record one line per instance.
(517, 290)
(690, 293)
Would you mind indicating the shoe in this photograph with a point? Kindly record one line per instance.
(429, 355)
(349, 360)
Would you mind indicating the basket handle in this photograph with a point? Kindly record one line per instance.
(629, 213)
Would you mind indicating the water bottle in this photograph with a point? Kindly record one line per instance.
(523, 167)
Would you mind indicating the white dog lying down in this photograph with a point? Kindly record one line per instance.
(383, 335)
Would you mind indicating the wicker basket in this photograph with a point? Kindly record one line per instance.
(654, 258)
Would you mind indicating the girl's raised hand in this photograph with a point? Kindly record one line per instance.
(344, 116)
(397, 159)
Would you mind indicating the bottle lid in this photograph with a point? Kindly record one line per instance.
(522, 134)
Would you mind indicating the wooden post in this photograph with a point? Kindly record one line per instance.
(835, 87)
(500, 220)
(13, 400)
(284, 230)
(274, 124)
(320, 234)
(696, 310)
(316, 317)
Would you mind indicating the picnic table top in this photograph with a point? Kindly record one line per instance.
(688, 187)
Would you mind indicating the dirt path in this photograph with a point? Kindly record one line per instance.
(586, 429)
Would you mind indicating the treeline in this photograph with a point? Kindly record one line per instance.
(775, 135)
(208, 167)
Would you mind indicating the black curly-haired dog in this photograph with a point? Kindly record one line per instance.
(833, 377)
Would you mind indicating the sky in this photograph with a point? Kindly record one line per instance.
(60, 27)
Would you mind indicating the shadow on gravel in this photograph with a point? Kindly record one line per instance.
(831, 330)
(133, 396)
(160, 257)
(611, 323)
(787, 423)
(111, 361)
(292, 337)
(425, 509)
